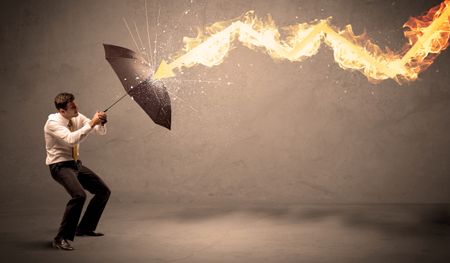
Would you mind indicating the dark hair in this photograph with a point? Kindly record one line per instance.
(62, 99)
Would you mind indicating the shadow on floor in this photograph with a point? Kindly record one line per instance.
(35, 245)
(393, 219)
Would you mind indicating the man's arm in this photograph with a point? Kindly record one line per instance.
(96, 122)
(62, 132)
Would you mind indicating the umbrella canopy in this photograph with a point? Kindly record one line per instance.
(135, 74)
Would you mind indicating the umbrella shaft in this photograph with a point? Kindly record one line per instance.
(123, 96)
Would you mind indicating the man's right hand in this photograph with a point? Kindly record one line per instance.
(98, 117)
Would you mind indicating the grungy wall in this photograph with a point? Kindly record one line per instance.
(249, 130)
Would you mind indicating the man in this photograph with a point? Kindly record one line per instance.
(64, 131)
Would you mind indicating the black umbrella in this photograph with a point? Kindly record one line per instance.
(135, 74)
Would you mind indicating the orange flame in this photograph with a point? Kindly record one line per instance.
(427, 36)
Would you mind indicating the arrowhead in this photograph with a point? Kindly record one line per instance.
(164, 71)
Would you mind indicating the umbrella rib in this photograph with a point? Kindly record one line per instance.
(123, 58)
(156, 94)
(159, 101)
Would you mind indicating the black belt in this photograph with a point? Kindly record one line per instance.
(71, 163)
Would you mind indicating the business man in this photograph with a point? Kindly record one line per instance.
(64, 131)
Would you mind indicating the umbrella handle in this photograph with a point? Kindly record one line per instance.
(123, 96)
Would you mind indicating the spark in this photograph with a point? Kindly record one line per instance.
(156, 33)
(179, 98)
(149, 53)
(131, 34)
(140, 40)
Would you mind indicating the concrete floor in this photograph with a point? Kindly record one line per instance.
(140, 232)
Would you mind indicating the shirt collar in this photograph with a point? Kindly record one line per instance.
(62, 119)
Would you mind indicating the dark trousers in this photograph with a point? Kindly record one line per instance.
(75, 177)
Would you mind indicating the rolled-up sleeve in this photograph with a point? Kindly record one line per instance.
(100, 129)
(66, 135)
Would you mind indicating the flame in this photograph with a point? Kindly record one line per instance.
(427, 35)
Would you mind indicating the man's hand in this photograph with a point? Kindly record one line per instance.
(98, 118)
(103, 118)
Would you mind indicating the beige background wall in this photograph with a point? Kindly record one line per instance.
(253, 130)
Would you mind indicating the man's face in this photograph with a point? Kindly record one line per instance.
(70, 111)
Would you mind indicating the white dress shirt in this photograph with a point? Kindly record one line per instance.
(59, 140)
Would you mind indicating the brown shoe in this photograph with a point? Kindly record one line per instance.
(61, 244)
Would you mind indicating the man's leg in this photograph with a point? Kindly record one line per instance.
(95, 185)
(67, 177)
